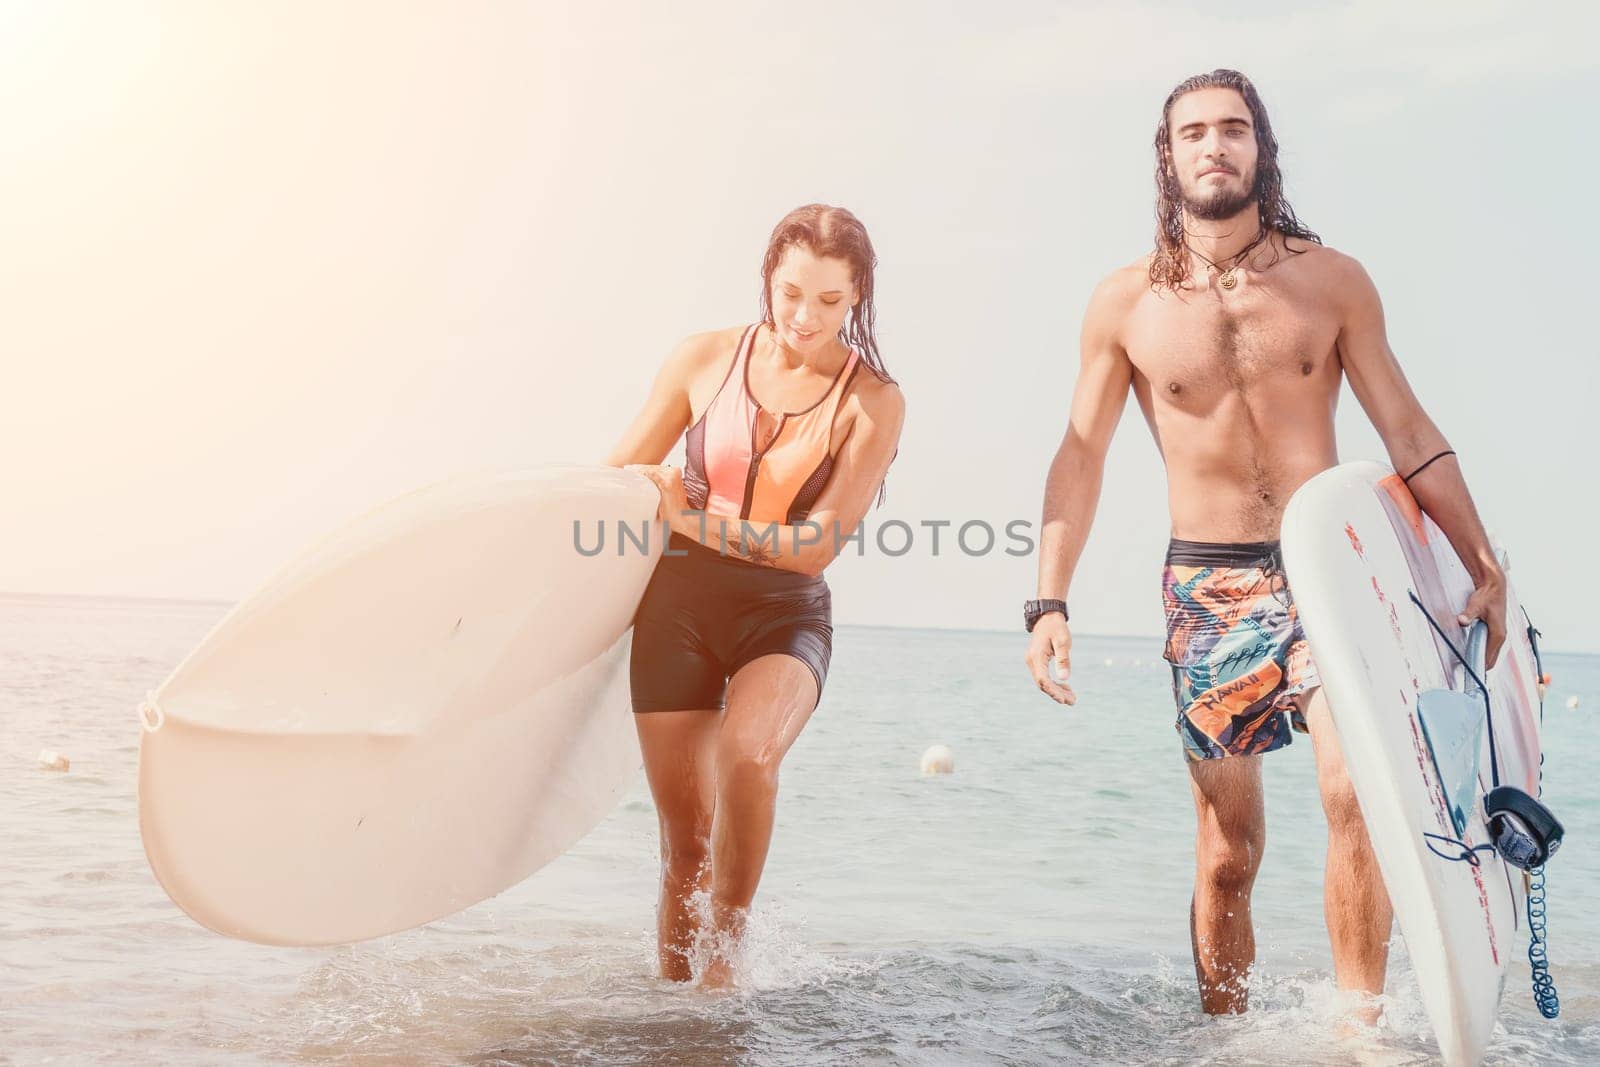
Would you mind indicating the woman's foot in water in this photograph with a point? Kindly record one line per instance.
(680, 915)
(718, 974)
(724, 939)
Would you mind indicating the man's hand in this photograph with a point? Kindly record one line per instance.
(1052, 641)
(1488, 602)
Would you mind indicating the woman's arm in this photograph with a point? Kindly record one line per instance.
(666, 411)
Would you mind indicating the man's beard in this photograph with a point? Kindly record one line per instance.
(1222, 203)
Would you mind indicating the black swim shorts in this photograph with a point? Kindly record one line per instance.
(704, 615)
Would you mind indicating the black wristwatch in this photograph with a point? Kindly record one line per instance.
(1034, 610)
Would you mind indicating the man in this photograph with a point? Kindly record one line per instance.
(1234, 334)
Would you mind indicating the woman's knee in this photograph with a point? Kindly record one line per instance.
(685, 845)
(747, 764)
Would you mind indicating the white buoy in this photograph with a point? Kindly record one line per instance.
(53, 761)
(938, 760)
(1110, 662)
(1572, 703)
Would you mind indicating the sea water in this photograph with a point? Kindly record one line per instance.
(1031, 907)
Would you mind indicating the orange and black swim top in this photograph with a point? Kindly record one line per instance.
(728, 472)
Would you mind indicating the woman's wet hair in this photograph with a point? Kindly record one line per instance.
(831, 233)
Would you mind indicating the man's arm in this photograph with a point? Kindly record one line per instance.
(1072, 488)
(1412, 440)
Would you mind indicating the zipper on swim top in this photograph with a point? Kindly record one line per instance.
(755, 456)
(783, 420)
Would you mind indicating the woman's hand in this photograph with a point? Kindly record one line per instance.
(669, 480)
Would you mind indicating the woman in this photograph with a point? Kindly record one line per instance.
(790, 421)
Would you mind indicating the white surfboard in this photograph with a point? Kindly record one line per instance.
(1356, 549)
(413, 716)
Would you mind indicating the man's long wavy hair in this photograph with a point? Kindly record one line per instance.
(1169, 265)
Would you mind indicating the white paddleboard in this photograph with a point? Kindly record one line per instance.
(418, 713)
(1355, 547)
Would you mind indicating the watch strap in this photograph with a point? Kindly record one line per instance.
(1034, 610)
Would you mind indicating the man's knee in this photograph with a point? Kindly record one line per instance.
(1231, 823)
(1227, 864)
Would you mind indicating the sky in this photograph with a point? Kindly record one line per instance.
(266, 266)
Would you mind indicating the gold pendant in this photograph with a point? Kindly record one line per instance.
(1227, 280)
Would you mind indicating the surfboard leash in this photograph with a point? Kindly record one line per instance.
(1545, 996)
(1461, 852)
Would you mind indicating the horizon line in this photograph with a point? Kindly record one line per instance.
(214, 602)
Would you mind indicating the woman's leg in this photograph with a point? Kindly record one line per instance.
(769, 702)
(679, 752)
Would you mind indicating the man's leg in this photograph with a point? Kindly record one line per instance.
(1354, 900)
(1230, 834)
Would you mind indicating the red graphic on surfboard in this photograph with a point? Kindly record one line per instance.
(1355, 542)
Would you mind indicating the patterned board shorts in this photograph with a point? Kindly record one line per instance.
(1239, 657)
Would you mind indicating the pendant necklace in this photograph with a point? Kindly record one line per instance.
(1228, 278)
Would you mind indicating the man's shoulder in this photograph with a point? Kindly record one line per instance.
(1118, 291)
(1336, 276)
(1329, 264)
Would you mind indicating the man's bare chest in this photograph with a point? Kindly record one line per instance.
(1198, 343)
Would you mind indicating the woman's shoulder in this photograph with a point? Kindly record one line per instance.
(695, 353)
(877, 396)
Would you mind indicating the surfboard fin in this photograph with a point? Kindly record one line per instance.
(1453, 724)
